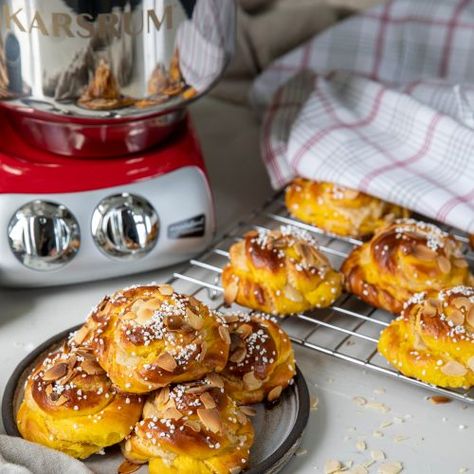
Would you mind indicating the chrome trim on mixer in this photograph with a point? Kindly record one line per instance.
(44, 236)
(125, 226)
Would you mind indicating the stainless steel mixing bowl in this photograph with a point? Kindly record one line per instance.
(107, 77)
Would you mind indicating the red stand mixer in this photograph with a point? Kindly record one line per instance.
(101, 174)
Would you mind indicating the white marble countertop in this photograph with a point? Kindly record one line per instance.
(426, 439)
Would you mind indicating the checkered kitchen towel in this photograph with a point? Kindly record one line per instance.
(384, 103)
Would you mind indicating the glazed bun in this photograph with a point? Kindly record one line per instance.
(280, 272)
(71, 405)
(433, 339)
(147, 337)
(338, 210)
(402, 259)
(192, 428)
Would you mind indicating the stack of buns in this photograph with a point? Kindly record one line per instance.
(165, 376)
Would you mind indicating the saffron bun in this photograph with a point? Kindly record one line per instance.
(280, 272)
(402, 259)
(147, 337)
(261, 363)
(71, 405)
(338, 210)
(192, 428)
(433, 339)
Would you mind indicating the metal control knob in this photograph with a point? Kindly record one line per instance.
(44, 236)
(125, 226)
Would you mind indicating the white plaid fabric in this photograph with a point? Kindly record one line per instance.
(383, 103)
(206, 42)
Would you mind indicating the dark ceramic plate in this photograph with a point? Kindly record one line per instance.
(279, 429)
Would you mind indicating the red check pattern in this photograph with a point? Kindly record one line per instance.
(383, 103)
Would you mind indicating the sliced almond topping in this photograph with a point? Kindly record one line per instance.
(61, 401)
(424, 253)
(172, 413)
(224, 334)
(470, 363)
(460, 263)
(293, 294)
(439, 400)
(195, 321)
(351, 193)
(429, 310)
(129, 316)
(194, 425)
(162, 397)
(208, 401)
(470, 317)
(91, 367)
(462, 302)
(49, 391)
(235, 470)
(444, 264)
(203, 353)
(456, 317)
(137, 305)
(56, 372)
(198, 389)
(144, 314)
(80, 335)
(166, 362)
(241, 418)
(210, 419)
(215, 380)
(275, 393)
(166, 290)
(454, 369)
(154, 304)
(238, 355)
(231, 318)
(231, 291)
(418, 342)
(248, 411)
(251, 382)
(245, 330)
(174, 323)
(128, 467)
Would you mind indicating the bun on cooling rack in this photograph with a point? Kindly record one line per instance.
(338, 210)
(71, 405)
(261, 363)
(192, 428)
(402, 259)
(147, 337)
(433, 339)
(280, 272)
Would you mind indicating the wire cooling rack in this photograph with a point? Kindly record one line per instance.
(348, 330)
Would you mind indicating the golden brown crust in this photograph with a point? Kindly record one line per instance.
(339, 210)
(403, 259)
(147, 337)
(433, 339)
(261, 362)
(280, 272)
(192, 428)
(70, 405)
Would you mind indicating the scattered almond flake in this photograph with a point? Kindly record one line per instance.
(397, 420)
(301, 452)
(361, 401)
(378, 406)
(377, 434)
(400, 438)
(390, 468)
(439, 400)
(444, 419)
(379, 391)
(359, 469)
(463, 427)
(314, 403)
(347, 438)
(348, 464)
(331, 466)
(369, 463)
(462, 470)
(361, 445)
(377, 455)
(385, 424)
(408, 416)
